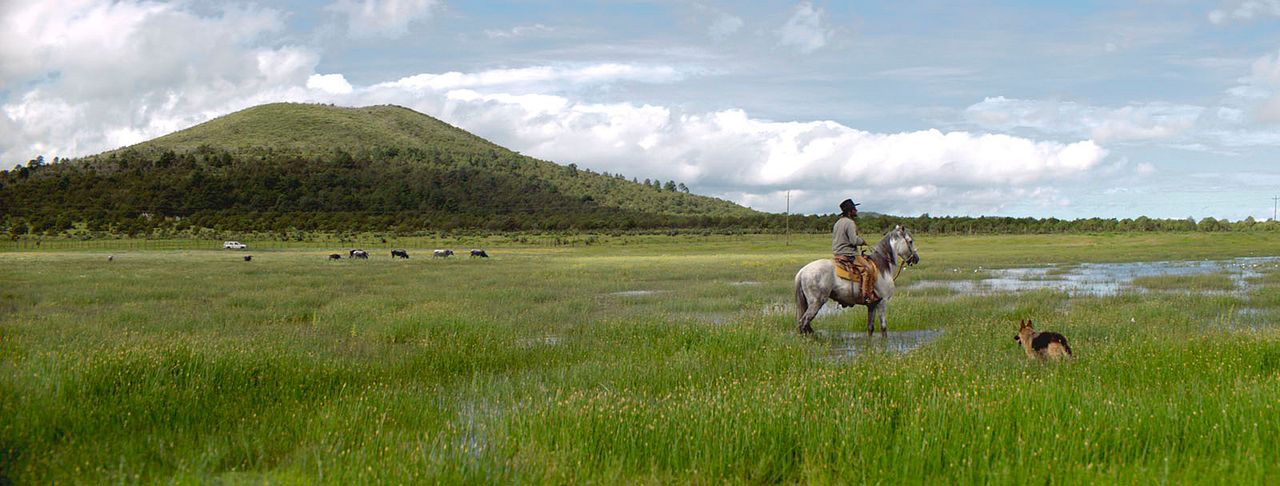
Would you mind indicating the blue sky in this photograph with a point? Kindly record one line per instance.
(1063, 109)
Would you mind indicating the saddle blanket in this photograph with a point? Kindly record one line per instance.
(863, 272)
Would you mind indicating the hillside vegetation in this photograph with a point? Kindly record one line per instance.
(324, 167)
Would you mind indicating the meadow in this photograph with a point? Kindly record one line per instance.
(649, 359)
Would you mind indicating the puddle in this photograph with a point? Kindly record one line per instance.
(846, 345)
(1100, 279)
(636, 293)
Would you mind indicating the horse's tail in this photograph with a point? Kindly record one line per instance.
(802, 304)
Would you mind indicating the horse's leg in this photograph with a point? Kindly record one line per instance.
(871, 318)
(882, 308)
(815, 304)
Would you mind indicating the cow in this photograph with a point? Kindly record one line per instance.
(335, 256)
(441, 253)
(400, 253)
(360, 254)
(479, 253)
(248, 258)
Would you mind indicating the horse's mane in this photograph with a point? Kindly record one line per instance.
(882, 253)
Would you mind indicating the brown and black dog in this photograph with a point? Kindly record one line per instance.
(1042, 345)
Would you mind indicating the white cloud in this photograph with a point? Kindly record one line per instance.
(1145, 169)
(329, 83)
(519, 31)
(1132, 122)
(383, 18)
(805, 30)
(1245, 10)
(724, 26)
(88, 75)
(747, 159)
(1260, 90)
(540, 77)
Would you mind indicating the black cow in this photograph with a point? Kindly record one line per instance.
(335, 256)
(400, 253)
(479, 253)
(248, 258)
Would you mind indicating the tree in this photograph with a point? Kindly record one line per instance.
(682, 188)
(670, 186)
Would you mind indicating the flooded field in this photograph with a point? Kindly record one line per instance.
(1100, 279)
(674, 362)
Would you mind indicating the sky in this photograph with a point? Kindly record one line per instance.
(1071, 109)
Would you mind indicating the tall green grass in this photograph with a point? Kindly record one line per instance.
(193, 366)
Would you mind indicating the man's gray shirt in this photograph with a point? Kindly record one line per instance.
(845, 239)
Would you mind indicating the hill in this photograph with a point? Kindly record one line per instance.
(307, 166)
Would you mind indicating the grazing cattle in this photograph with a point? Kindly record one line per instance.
(360, 254)
(400, 253)
(335, 256)
(248, 258)
(479, 253)
(111, 258)
(441, 253)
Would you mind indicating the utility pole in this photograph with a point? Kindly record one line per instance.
(1274, 201)
(787, 219)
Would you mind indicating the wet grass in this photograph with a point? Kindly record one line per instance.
(1213, 282)
(193, 366)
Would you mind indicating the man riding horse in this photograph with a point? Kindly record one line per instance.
(844, 246)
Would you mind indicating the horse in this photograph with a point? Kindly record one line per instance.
(479, 253)
(817, 282)
(400, 253)
(441, 253)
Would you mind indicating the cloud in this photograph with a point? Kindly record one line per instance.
(1133, 122)
(1260, 90)
(382, 18)
(725, 25)
(519, 31)
(88, 75)
(805, 30)
(734, 155)
(329, 83)
(1246, 10)
(540, 77)
(1145, 169)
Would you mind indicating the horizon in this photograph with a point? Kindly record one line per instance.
(1066, 110)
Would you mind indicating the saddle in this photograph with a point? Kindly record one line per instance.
(860, 270)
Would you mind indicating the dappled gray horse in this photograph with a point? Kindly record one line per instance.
(817, 281)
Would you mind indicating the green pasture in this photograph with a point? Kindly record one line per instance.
(631, 359)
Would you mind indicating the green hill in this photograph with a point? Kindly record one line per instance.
(306, 166)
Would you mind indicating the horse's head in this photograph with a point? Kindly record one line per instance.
(904, 246)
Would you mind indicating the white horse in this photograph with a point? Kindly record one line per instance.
(817, 281)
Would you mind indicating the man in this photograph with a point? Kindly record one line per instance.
(844, 245)
(844, 238)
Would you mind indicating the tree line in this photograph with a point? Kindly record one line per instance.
(422, 190)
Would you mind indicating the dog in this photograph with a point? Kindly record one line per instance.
(1042, 345)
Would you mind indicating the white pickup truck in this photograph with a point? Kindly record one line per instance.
(234, 245)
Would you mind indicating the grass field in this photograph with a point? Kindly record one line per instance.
(659, 360)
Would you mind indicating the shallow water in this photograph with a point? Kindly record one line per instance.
(1100, 279)
(846, 345)
(635, 293)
